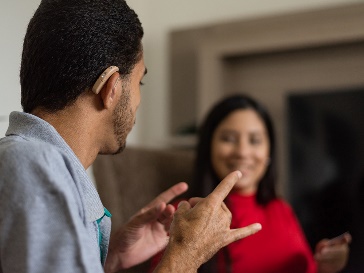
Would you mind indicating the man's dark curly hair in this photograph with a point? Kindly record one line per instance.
(69, 43)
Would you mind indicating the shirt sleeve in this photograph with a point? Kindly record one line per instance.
(41, 227)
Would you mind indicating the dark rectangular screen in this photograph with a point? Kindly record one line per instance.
(326, 166)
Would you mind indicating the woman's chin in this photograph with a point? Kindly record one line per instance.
(243, 188)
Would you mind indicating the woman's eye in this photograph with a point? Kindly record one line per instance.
(256, 141)
(228, 139)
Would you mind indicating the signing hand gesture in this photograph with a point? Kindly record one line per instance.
(200, 228)
(332, 255)
(145, 234)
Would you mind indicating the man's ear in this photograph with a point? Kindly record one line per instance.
(109, 92)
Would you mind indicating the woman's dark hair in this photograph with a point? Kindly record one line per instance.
(69, 43)
(205, 178)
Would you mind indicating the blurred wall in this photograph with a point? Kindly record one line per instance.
(158, 17)
(14, 17)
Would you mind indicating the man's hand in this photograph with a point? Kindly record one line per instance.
(145, 234)
(332, 255)
(200, 228)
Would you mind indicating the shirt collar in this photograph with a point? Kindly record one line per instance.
(29, 126)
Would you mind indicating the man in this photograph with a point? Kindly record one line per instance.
(82, 66)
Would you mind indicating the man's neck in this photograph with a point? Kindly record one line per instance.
(76, 127)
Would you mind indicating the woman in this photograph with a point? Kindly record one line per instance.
(238, 134)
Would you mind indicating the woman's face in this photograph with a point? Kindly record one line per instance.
(240, 142)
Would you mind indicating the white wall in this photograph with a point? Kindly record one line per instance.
(158, 17)
(14, 18)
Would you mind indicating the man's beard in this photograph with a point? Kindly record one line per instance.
(123, 118)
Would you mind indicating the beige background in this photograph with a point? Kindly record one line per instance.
(159, 18)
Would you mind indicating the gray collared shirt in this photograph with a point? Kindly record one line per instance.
(49, 208)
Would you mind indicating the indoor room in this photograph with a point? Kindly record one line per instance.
(302, 60)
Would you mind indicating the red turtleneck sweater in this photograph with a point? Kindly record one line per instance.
(280, 247)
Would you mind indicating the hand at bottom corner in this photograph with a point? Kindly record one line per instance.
(332, 255)
(145, 234)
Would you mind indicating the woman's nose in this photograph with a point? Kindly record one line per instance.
(242, 148)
